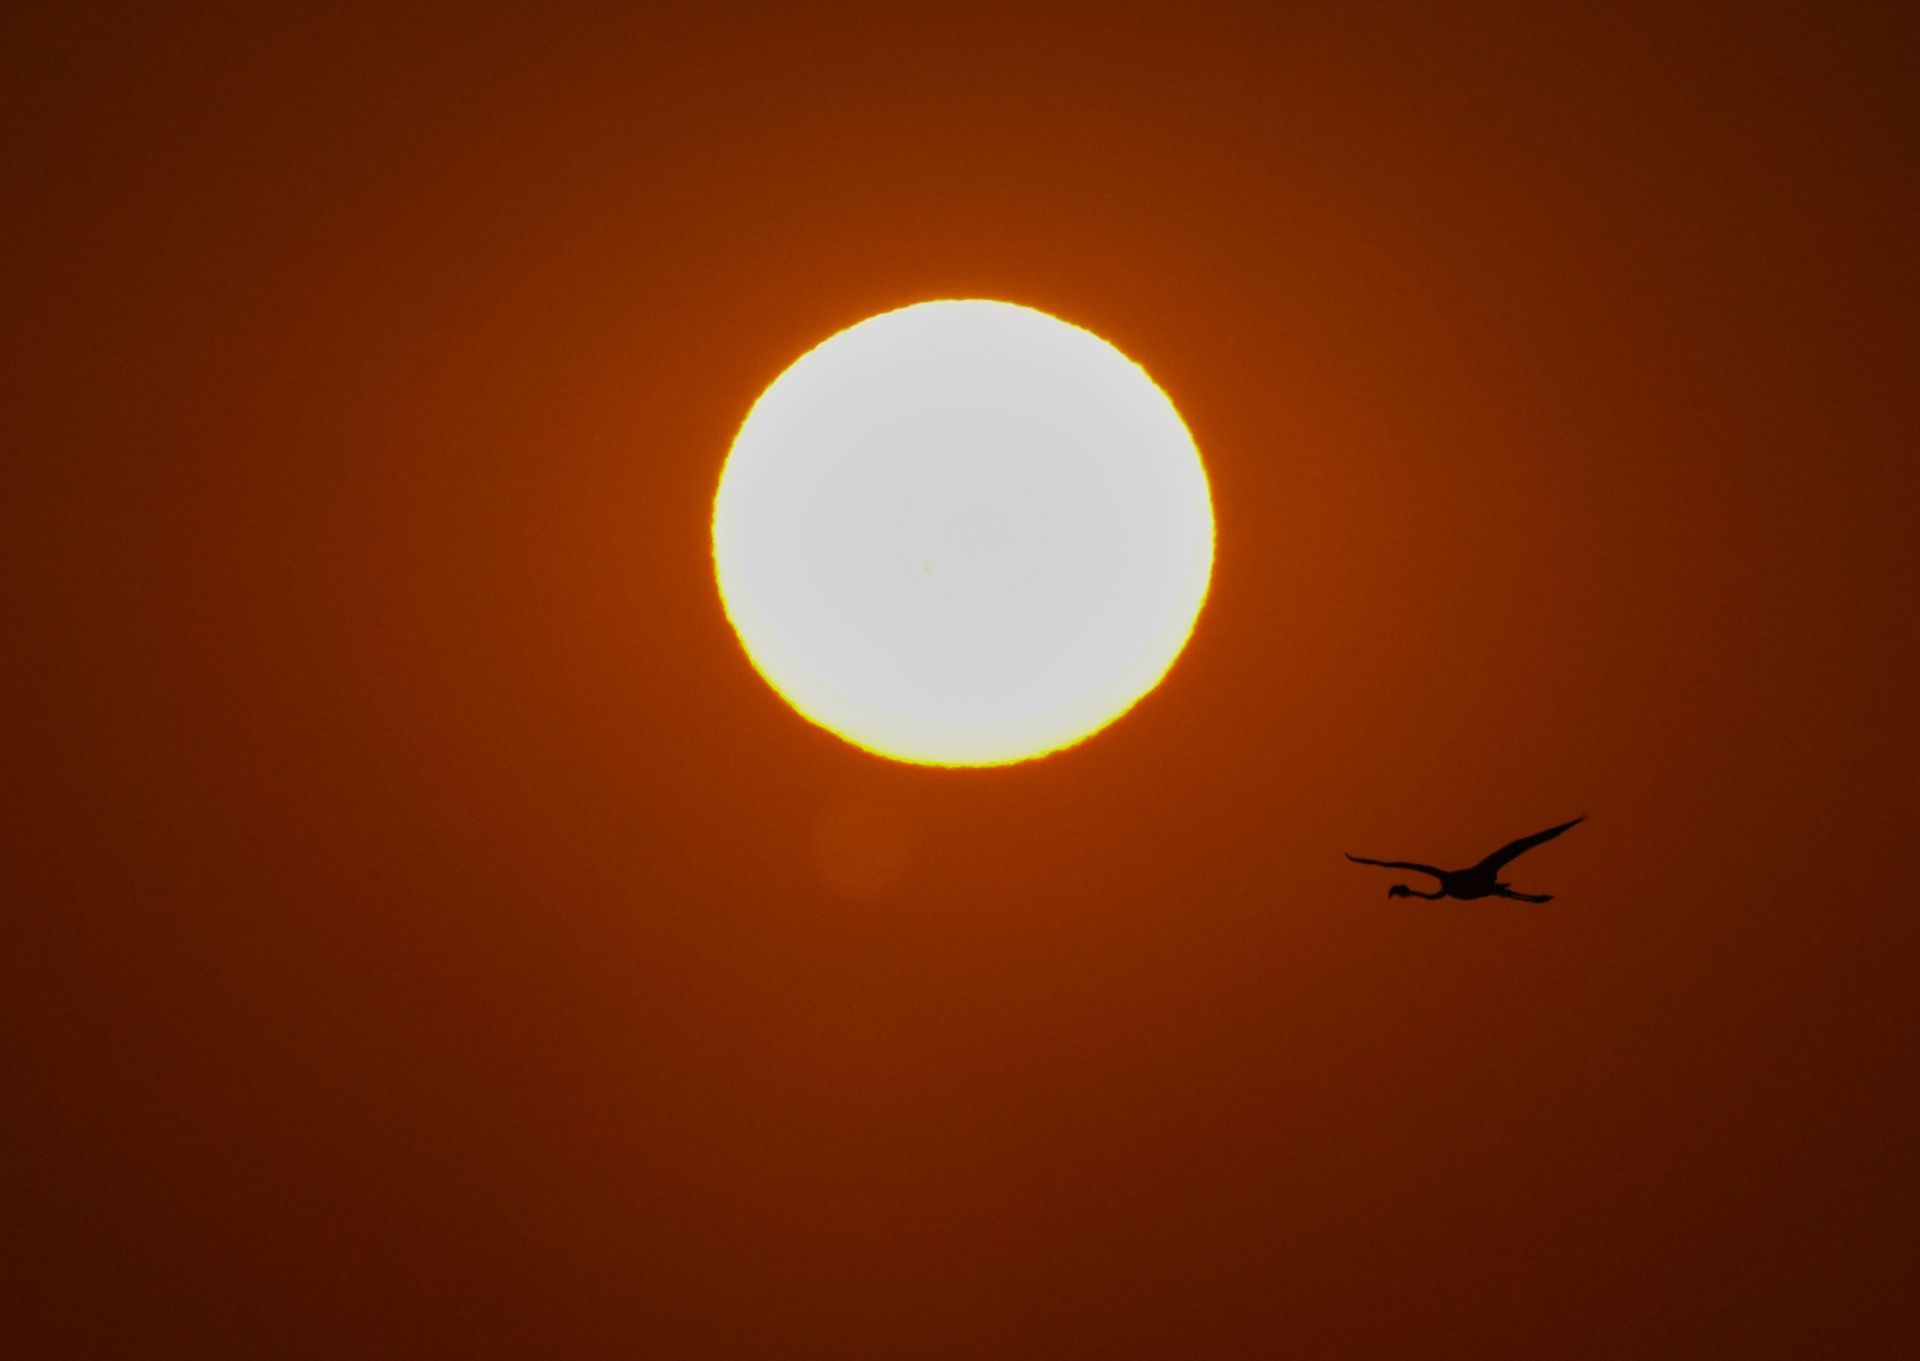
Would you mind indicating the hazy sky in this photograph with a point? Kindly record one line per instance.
(426, 936)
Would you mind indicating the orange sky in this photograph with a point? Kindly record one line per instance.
(428, 937)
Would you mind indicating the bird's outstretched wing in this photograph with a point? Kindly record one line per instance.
(1525, 844)
(1397, 865)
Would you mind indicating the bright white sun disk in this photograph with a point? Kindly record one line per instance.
(963, 533)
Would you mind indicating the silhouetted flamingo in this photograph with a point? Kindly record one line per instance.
(1479, 881)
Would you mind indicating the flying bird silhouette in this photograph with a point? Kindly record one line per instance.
(1477, 881)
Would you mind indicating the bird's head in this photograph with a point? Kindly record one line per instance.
(1399, 891)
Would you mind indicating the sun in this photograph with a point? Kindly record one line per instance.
(963, 533)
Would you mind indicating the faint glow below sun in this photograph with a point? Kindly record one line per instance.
(963, 533)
